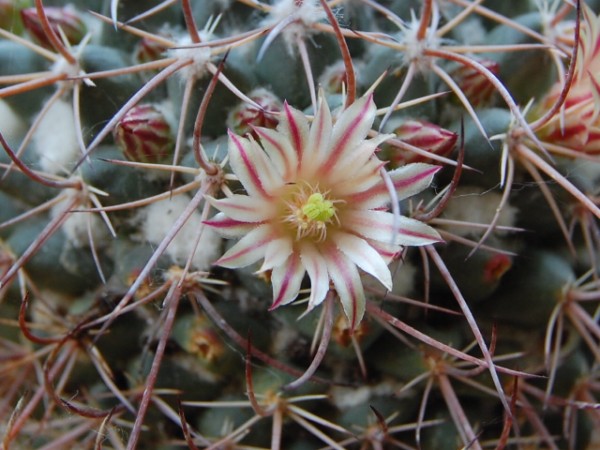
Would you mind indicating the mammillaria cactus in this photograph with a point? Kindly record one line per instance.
(299, 224)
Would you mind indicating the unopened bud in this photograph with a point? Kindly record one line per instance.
(424, 135)
(65, 19)
(144, 135)
(478, 89)
(242, 118)
(148, 50)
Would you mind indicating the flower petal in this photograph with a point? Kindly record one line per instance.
(280, 152)
(379, 225)
(354, 161)
(244, 208)
(348, 285)
(367, 177)
(408, 180)
(252, 167)
(286, 280)
(316, 268)
(364, 256)
(229, 228)
(249, 249)
(294, 125)
(319, 137)
(276, 253)
(350, 129)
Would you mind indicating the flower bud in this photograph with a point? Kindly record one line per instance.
(148, 50)
(66, 19)
(476, 87)
(424, 135)
(144, 135)
(242, 118)
(578, 125)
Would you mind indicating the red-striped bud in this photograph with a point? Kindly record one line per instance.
(65, 19)
(148, 50)
(144, 135)
(477, 87)
(424, 135)
(242, 118)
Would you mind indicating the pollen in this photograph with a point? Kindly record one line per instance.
(310, 213)
(318, 209)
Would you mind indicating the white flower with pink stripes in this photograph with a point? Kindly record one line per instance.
(316, 204)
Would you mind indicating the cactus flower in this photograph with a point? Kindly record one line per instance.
(577, 125)
(316, 204)
(66, 19)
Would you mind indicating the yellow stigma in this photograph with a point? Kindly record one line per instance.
(317, 208)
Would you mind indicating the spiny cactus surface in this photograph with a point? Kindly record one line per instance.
(299, 224)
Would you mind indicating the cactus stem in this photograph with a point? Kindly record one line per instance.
(528, 154)
(433, 254)
(503, 202)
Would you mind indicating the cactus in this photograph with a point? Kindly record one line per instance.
(299, 224)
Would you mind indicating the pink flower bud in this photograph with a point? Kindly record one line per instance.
(148, 50)
(476, 87)
(242, 118)
(424, 135)
(66, 19)
(144, 135)
(577, 125)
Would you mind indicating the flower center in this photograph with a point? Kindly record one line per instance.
(317, 208)
(309, 213)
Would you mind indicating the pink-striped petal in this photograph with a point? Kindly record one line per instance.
(348, 285)
(249, 249)
(294, 125)
(379, 225)
(354, 162)
(286, 280)
(276, 253)
(408, 180)
(364, 256)
(316, 268)
(252, 167)
(228, 227)
(367, 177)
(280, 152)
(350, 129)
(244, 208)
(319, 137)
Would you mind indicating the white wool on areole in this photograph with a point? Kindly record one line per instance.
(157, 219)
(11, 125)
(81, 229)
(55, 139)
